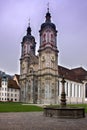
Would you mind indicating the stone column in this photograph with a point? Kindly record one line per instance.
(63, 95)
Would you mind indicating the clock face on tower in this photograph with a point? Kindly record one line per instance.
(23, 66)
(52, 58)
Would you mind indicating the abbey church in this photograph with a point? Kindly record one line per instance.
(41, 75)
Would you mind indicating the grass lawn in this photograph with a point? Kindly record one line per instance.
(18, 107)
(79, 105)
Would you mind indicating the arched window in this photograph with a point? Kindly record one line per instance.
(86, 90)
(44, 38)
(52, 38)
(25, 49)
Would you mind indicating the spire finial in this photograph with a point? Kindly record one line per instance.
(48, 16)
(48, 6)
(29, 22)
(29, 28)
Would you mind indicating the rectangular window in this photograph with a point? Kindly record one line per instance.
(15, 95)
(2, 88)
(67, 89)
(15, 90)
(80, 91)
(71, 90)
(77, 90)
(74, 90)
(2, 83)
(86, 90)
(11, 95)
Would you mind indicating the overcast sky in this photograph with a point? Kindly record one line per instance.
(69, 16)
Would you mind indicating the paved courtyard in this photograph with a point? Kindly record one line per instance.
(36, 121)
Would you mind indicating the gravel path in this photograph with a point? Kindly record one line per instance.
(36, 121)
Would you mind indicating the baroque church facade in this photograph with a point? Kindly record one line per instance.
(40, 75)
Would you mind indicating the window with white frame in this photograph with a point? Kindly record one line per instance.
(86, 90)
(71, 90)
(15, 95)
(11, 89)
(77, 90)
(2, 88)
(11, 95)
(67, 88)
(74, 90)
(80, 90)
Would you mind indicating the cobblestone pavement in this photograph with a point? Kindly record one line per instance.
(36, 121)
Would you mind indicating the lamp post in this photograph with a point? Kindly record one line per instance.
(63, 95)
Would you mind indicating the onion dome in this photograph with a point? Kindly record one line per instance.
(48, 22)
(28, 36)
(4, 77)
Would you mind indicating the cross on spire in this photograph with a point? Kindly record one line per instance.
(29, 28)
(29, 22)
(48, 6)
(48, 16)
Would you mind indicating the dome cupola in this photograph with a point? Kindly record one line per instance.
(28, 42)
(4, 77)
(28, 36)
(48, 33)
(48, 16)
(48, 22)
